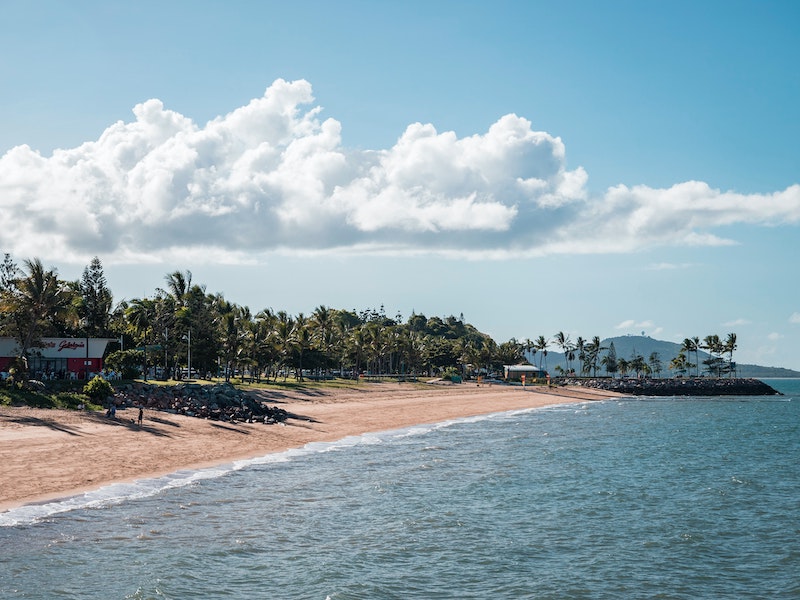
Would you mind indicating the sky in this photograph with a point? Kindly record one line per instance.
(592, 168)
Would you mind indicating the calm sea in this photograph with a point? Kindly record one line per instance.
(635, 498)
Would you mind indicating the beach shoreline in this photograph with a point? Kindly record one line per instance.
(53, 454)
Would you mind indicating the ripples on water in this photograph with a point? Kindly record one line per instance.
(636, 498)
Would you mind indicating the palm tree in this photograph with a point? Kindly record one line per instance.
(679, 363)
(638, 364)
(302, 341)
(178, 286)
(696, 346)
(624, 366)
(689, 346)
(654, 362)
(580, 346)
(322, 331)
(730, 346)
(284, 338)
(593, 350)
(713, 344)
(566, 347)
(530, 346)
(541, 345)
(35, 301)
(140, 314)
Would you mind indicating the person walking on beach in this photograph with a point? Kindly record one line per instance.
(141, 414)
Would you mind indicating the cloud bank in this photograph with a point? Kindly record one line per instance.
(273, 176)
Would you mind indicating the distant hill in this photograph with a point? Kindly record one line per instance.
(630, 345)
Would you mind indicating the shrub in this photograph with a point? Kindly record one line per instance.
(451, 373)
(98, 389)
(73, 401)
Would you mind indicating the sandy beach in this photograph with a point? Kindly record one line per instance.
(48, 454)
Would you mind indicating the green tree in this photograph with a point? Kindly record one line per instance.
(510, 352)
(638, 364)
(541, 345)
(655, 364)
(95, 301)
(35, 302)
(609, 361)
(141, 314)
(679, 364)
(567, 348)
(715, 348)
(125, 362)
(730, 347)
(98, 389)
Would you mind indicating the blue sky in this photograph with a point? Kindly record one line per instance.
(592, 168)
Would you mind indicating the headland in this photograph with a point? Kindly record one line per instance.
(678, 386)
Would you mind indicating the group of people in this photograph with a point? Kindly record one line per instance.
(111, 413)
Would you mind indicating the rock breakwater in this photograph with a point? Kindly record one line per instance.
(221, 402)
(691, 386)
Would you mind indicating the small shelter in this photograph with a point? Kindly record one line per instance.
(516, 372)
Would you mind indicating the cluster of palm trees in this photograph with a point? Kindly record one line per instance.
(228, 339)
(715, 363)
(586, 352)
(590, 357)
(182, 327)
(182, 324)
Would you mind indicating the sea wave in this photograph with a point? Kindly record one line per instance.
(116, 493)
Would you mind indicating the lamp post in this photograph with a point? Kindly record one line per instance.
(188, 339)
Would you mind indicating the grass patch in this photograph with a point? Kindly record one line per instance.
(46, 399)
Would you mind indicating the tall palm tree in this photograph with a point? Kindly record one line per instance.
(541, 345)
(564, 343)
(141, 314)
(530, 346)
(696, 346)
(679, 363)
(654, 362)
(302, 340)
(284, 337)
(322, 330)
(580, 347)
(713, 344)
(730, 347)
(178, 286)
(689, 346)
(593, 350)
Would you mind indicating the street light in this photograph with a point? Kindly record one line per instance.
(188, 339)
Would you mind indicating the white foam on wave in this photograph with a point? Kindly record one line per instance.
(117, 493)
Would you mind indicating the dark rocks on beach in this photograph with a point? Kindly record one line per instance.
(691, 386)
(220, 402)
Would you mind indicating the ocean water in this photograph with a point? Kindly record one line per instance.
(632, 498)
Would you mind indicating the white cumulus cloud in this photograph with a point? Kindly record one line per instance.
(273, 176)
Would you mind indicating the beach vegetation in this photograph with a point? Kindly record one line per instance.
(34, 302)
(127, 363)
(98, 389)
(181, 332)
(13, 396)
